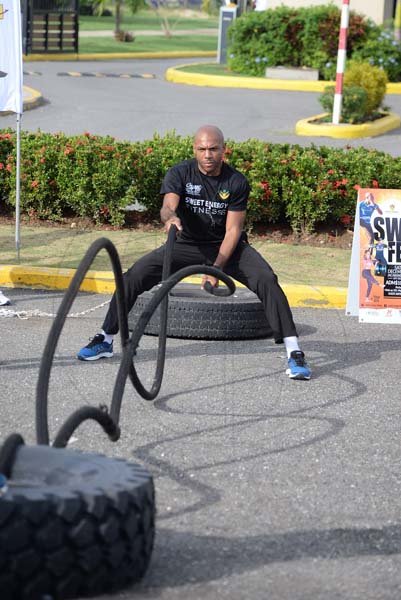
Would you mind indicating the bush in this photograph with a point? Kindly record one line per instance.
(319, 36)
(372, 79)
(86, 7)
(293, 37)
(354, 103)
(97, 177)
(210, 7)
(381, 50)
(260, 39)
(363, 93)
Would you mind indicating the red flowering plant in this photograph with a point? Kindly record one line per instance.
(39, 163)
(97, 177)
(93, 175)
(6, 149)
(304, 192)
(151, 159)
(260, 163)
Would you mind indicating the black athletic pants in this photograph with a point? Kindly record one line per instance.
(246, 266)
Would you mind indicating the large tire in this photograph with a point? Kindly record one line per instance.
(73, 524)
(195, 314)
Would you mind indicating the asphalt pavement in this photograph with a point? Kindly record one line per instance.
(135, 108)
(266, 487)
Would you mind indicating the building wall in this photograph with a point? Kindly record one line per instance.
(379, 10)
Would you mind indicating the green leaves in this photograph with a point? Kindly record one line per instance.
(293, 37)
(96, 177)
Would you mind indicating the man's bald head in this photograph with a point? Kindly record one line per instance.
(209, 149)
(210, 130)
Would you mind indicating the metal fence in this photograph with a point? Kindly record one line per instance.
(50, 26)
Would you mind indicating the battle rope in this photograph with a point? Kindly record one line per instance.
(109, 421)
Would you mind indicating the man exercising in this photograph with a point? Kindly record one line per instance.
(206, 199)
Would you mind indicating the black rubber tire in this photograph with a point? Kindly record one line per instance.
(195, 314)
(73, 525)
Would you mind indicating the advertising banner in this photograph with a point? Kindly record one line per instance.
(11, 98)
(375, 273)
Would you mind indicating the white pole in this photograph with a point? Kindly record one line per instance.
(397, 21)
(341, 58)
(18, 188)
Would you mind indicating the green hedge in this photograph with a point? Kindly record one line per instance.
(96, 177)
(305, 37)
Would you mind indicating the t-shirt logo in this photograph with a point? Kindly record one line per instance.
(224, 194)
(193, 189)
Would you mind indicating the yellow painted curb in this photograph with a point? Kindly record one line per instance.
(117, 55)
(393, 88)
(34, 98)
(344, 130)
(176, 75)
(102, 282)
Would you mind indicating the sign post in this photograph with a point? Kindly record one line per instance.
(227, 15)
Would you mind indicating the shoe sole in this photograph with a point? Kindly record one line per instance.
(104, 355)
(298, 376)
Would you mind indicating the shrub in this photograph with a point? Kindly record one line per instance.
(96, 177)
(294, 37)
(319, 35)
(86, 7)
(260, 39)
(363, 93)
(372, 79)
(210, 7)
(381, 50)
(354, 103)
(7, 144)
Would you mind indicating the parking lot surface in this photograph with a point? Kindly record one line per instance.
(265, 487)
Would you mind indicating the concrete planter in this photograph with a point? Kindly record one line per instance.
(310, 127)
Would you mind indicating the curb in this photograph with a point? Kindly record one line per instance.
(175, 75)
(116, 56)
(308, 128)
(32, 98)
(102, 282)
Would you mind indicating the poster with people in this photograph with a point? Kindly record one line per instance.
(376, 257)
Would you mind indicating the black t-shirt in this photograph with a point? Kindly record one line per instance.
(205, 199)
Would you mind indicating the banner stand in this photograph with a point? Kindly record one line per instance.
(374, 289)
(18, 188)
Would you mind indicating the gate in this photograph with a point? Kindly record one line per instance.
(50, 26)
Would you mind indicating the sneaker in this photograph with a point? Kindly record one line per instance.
(4, 301)
(297, 367)
(97, 348)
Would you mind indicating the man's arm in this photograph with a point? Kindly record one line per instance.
(234, 227)
(168, 213)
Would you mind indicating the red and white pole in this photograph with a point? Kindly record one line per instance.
(341, 58)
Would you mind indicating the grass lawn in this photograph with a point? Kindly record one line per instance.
(149, 43)
(148, 20)
(64, 247)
